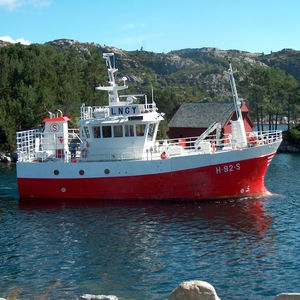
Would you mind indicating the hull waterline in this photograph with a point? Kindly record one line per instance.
(239, 178)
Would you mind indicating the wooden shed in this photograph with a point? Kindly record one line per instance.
(192, 119)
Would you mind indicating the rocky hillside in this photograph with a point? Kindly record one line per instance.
(193, 71)
(201, 69)
(63, 73)
(286, 59)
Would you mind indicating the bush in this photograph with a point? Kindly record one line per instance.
(292, 135)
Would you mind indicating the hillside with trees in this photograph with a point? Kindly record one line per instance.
(63, 74)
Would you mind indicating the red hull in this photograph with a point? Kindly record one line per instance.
(238, 179)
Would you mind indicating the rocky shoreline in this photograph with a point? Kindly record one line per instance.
(286, 147)
(188, 290)
(8, 157)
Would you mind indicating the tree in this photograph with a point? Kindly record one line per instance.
(291, 92)
(271, 92)
(254, 85)
(36, 79)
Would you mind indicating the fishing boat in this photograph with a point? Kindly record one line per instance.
(114, 154)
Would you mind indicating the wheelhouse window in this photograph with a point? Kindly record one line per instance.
(118, 131)
(106, 131)
(140, 129)
(151, 131)
(97, 132)
(86, 132)
(129, 130)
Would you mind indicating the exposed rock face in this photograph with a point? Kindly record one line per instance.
(194, 290)
(83, 48)
(4, 44)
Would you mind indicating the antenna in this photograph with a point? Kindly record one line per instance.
(113, 89)
(152, 94)
(235, 96)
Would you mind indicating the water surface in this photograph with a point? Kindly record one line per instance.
(248, 249)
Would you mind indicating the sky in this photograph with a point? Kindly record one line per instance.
(156, 25)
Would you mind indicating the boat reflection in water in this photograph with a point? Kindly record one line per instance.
(231, 216)
(147, 246)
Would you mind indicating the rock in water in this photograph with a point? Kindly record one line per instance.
(288, 296)
(4, 158)
(194, 290)
(97, 297)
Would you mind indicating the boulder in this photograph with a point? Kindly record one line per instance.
(4, 158)
(288, 296)
(97, 297)
(194, 290)
(7, 159)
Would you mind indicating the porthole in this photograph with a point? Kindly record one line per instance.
(81, 172)
(56, 172)
(106, 171)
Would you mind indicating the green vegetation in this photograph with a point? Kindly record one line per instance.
(37, 79)
(287, 60)
(62, 74)
(271, 93)
(292, 135)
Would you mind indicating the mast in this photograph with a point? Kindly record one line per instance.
(236, 101)
(239, 138)
(113, 89)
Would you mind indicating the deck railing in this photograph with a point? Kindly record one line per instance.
(26, 144)
(31, 146)
(224, 143)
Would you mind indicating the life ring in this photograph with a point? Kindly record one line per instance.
(84, 153)
(164, 155)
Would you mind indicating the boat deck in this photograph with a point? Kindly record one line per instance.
(30, 147)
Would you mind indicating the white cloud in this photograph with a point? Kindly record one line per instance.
(10, 40)
(13, 4)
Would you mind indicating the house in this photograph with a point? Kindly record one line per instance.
(192, 119)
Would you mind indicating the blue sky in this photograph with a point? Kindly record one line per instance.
(156, 25)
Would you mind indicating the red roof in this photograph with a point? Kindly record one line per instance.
(58, 119)
(244, 107)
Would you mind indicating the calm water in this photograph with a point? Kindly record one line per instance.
(247, 249)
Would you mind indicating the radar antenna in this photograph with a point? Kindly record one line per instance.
(113, 89)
